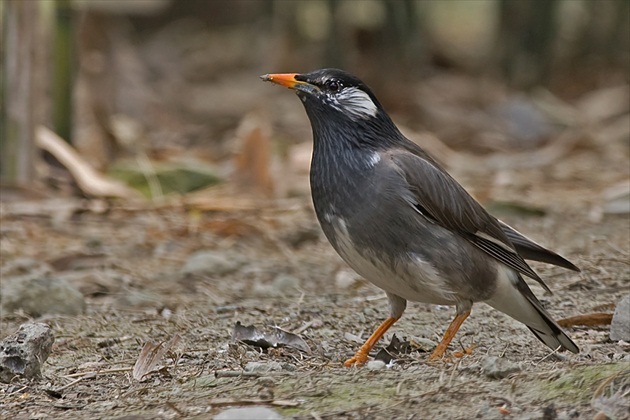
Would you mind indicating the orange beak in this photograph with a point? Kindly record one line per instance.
(288, 80)
(282, 79)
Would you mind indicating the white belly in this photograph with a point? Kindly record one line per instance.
(411, 278)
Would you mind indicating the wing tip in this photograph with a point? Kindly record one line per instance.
(557, 340)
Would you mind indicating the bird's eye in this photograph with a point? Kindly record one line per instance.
(333, 85)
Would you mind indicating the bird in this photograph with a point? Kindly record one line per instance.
(402, 222)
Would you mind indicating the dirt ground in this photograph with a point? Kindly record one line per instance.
(285, 274)
(187, 89)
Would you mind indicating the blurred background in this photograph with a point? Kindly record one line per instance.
(164, 95)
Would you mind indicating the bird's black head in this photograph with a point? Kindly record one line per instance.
(338, 103)
(331, 91)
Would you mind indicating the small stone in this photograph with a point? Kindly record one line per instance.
(345, 279)
(206, 381)
(212, 263)
(263, 290)
(24, 265)
(139, 299)
(266, 381)
(422, 344)
(91, 282)
(252, 354)
(242, 413)
(288, 367)
(41, 295)
(620, 325)
(498, 368)
(375, 365)
(285, 284)
(24, 352)
(262, 367)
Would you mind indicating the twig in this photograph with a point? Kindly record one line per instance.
(76, 381)
(235, 374)
(304, 327)
(450, 379)
(98, 372)
(18, 390)
(87, 178)
(553, 353)
(278, 403)
(399, 387)
(173, 407)
(315, 415)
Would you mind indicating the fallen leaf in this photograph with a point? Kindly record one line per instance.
(587, 320)
(276, 338)
(395, 347)
(150, 355)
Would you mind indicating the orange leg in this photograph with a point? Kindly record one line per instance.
(452, 329)
(360, 357)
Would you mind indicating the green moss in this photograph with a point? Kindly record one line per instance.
(345, 393)
(579, 384)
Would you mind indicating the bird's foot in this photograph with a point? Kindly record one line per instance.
(449, 334)
(439, 354)
(464, 352)
(358, 360)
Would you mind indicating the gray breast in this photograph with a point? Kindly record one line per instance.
(410, 257)
(383, 239)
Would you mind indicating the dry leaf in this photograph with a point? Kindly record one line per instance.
(395, 347)
(150, 355)
(277, 338)
(90, 181)
(587, 320)
(253, 161)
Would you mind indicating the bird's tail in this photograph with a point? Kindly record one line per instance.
(515, 299)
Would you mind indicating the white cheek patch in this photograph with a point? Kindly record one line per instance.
(355, 102)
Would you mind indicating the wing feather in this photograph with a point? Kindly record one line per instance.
(436, 195)
(533, 251)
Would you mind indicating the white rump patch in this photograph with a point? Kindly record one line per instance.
(356, 102)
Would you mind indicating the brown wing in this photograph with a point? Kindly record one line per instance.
(439, 198)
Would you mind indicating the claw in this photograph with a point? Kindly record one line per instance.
(358, 360)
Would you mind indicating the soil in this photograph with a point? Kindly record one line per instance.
(136, 293)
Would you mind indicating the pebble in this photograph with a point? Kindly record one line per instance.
(24, 265)
(497, 368)
(282, 285)
(422, 344)
(95, 281)
(285, 284)
(41, 295)
(268, 381)
(262, 367)
(24, 352)
(212, 263)
(345, 279)
(620, 325)
(242, 413)
(375, 365)
(139, 299)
